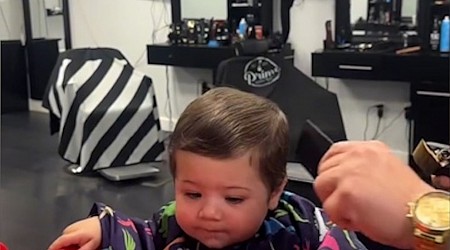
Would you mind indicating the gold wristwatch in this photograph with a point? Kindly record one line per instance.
(431, 219)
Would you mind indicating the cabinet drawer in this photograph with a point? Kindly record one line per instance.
(346, 65)
(415, 68)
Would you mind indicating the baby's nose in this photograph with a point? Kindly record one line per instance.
(210, 211)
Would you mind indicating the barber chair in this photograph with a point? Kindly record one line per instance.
(106, 115)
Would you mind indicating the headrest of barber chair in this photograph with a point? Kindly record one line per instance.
(253, 47)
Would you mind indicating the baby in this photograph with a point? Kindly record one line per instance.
(228, 160)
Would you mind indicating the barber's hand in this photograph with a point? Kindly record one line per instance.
(365, 188)
(82, 235)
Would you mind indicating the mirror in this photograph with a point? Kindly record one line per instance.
(207, 9)
(383, 17)
(47, 34)
(47, 21)
(409, 8)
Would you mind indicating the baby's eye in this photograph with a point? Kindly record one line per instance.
(193, 195)
(234, 200)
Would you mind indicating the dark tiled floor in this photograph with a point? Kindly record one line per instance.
(38, 198)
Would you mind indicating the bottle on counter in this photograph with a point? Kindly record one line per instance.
(445, 35)
(243, 28)
(434, 35)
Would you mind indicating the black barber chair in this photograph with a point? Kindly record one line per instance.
(106, 115)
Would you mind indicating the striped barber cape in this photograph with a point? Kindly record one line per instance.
(104, 110)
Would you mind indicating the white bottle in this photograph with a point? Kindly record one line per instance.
(434, 36)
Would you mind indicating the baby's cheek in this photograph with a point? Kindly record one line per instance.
(185, 217)
(249, 220)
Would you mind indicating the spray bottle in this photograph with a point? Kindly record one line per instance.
(445, 35)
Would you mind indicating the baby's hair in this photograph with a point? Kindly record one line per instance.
(225, 123)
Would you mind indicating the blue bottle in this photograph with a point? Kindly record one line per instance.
(445, 35)
(243, 28)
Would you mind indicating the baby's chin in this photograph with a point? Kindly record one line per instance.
(215, 244)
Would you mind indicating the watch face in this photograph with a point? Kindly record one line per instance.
(433, 210)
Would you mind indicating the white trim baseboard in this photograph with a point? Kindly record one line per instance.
(36, 105)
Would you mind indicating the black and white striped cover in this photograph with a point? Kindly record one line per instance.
(104, 110)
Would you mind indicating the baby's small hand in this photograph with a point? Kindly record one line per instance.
(83, 235)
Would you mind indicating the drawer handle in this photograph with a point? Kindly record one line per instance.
(355, 67)
(432, 93)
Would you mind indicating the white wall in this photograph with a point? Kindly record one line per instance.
(11, 19)
(128, 25)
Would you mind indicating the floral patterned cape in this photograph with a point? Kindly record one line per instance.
(295, 224)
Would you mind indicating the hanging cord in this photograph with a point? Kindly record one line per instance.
(367, 121)
(377, 129)
(389, 124)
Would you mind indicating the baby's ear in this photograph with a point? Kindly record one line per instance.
(276, 194)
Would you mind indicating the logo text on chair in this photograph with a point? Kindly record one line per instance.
(261, 72)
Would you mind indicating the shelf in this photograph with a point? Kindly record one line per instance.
(381, 66)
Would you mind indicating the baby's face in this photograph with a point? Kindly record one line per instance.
(220, 202)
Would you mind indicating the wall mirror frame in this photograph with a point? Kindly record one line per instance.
(42, 48)
(394, 33)
(66, 23)
(262, 10)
